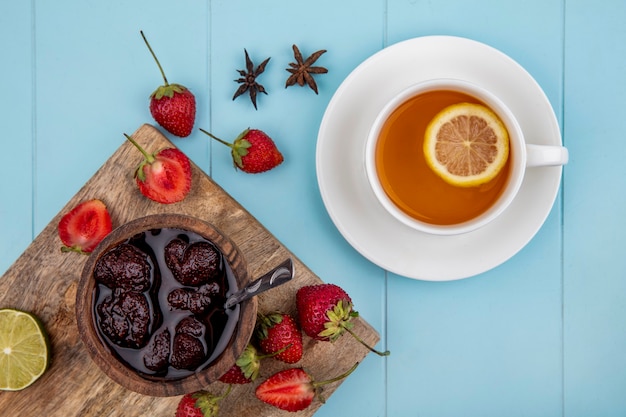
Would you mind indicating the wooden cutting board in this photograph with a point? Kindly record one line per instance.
(43, 281)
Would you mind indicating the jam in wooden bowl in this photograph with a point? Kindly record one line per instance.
(150, 305)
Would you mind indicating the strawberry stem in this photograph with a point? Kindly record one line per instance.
(338, 378)
(149, 158)
(385, 353)
(224, 395)
(154, 56)
(230, 145)
(278, 352)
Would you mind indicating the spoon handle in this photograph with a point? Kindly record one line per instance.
(277, 276)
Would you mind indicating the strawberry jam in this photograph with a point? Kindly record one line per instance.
(159, 302)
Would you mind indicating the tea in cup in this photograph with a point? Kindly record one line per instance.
(416, 173)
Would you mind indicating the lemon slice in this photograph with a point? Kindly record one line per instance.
(24, 349)
(466, 144)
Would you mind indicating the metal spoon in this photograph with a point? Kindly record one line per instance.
(277, 276)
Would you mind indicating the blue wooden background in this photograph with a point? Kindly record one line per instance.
(541, 335)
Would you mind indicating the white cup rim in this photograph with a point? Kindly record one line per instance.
(517, 155)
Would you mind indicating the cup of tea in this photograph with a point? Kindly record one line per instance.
(426, 169)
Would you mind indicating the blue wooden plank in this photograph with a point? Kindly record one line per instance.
(540, 335)
(94, 78)
(490, 345)
(286, 200)
(595, 267)
(16, 162)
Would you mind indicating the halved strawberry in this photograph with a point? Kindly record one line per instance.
(279, 334)
(165, 176)
(325, 312)
(293, 389)
(84, 227)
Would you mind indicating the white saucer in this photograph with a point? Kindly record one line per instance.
(350, 201)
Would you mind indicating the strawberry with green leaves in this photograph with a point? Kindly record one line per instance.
(164, 176)
(325, 312)
(200, 404)
(253, 151)
(235, 376)
(246, 368)
(293, 389)
(173, 106)
(83, 227)
(278, 333)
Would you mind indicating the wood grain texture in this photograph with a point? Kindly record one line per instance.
(44, 281)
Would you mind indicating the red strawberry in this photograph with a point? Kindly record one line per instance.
(293, 389)
(235, 375)
(245, 370)
(84, 226)
(200, 404)
(173, 106)
(279, 334)
(253, 151)
(325, 313)
(164, 176)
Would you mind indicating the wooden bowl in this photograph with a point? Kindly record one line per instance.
(103, 355)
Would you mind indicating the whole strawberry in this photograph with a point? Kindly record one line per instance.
(235, 376)
(279, 334)
(173, 106)
(200, 404)
(293, 389)
(165, 176)
(325, 312)
(84, 226)
(246, 368)
(253, 151)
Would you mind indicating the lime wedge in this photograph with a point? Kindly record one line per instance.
(24, 349)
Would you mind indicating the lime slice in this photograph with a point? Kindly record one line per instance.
(24, 350)
(466, 144)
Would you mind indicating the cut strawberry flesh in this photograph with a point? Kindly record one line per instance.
(289, 390)
(168, 178)
(85, 226)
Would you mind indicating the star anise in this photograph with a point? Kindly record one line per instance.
(248, 79)
(301, 70)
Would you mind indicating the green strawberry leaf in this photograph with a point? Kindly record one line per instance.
(140, 174)
(249, 362)
(240, 149)
(208, 403)
(167, 90)
(339, 320)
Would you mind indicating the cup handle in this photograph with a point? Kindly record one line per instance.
(545, 155)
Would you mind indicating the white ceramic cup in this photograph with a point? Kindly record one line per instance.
(522, 155)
